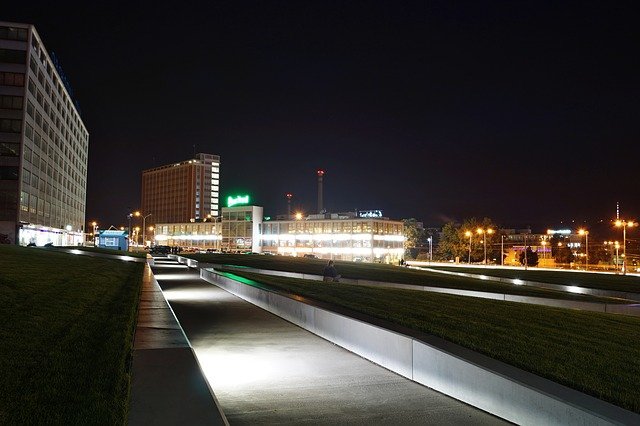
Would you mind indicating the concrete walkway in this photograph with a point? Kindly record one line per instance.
(266, 370)
(168, 387)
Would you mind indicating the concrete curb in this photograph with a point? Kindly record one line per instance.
(490, 385)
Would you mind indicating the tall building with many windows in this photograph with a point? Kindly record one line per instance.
(182, 192)
(43, 144)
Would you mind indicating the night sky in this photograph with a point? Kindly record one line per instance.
(525, 112)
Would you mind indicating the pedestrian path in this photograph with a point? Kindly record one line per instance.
(265, 370)
(167, 386)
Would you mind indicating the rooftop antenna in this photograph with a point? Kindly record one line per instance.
(289, 197)
(320, 175)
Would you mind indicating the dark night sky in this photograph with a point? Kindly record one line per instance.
(525, 112)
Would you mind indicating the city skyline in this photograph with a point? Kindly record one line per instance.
(522, 113)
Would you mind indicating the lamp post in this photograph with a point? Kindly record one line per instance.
(144, 220)
(526, 261)
(137, 233)
(624, 224)
(502, 250)
(469, 234)
(95, 226)
(485, 233)
(586, 247)
(430, 239)
(129, 216)
(617, 246)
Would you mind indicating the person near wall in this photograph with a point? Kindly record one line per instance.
(330, 273)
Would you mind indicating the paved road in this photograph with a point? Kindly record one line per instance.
(265, 370)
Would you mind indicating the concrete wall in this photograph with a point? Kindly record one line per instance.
(488, 384)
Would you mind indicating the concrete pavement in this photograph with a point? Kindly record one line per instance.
(264, 369)
(167, 386)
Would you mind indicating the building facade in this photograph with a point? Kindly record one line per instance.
(181, 192)
(241, 227)
(336, 237)
(43, 145)
(200, 235)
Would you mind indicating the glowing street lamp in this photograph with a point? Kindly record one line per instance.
(617, 246)
(95, 225)
(469, 234)
(144, 219)
(298, 216)
(624, 224)
(485, 232)
(586, 246)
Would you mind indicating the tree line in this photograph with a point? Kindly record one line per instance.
(466, 242)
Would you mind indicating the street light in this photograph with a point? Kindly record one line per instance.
(144, 220)
(430, 239)
(137, 233)
(617, 246)
(501, 249)
(129, 216)
(624, 224)
(95, 226)
(586, 247)
(485, 232)
(469, 234)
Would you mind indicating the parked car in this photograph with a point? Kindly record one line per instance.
(310, 256)
(160, 250)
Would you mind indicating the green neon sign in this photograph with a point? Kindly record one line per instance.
(238, 200)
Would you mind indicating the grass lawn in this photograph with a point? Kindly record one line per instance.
(595, 353)
(575, 278)
(391, 273)
(68, 324)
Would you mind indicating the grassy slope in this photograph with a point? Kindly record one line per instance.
(595, 353)
(390, 273)
(68, 324)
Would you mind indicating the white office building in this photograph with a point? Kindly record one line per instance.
(43, 145)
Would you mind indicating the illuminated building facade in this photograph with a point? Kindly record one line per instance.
(43, 145)
(241, 226)
(202, 235)
(339, 237)
(181, 192)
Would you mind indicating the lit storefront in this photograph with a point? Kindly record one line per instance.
(357, 239)
(201, 235)
(241, 228)
(41, 235)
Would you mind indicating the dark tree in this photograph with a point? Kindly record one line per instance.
(532, 257)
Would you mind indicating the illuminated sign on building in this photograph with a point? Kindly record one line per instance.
(238, 200)
(560, 231)
(370, 213)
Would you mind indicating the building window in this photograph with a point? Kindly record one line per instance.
(32, 87)
(11, 102)
(13, 56)
(9, 149)
(28, 131)
(8, 173)
(11, 79)
(11, 33)
(10, 126)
